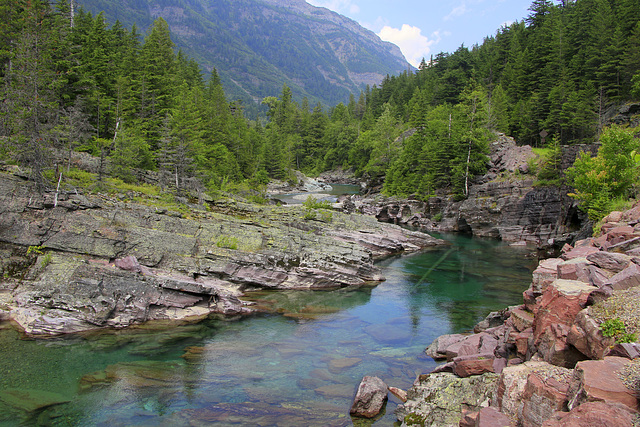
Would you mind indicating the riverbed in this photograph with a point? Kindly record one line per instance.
(298, 362)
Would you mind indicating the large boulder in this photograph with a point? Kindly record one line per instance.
(586, 337)
(438, 348)
(439, 399)
(370, 397)
(591, 414)
(532, 391)
(626, 278)
(599, 381)
(556, 312)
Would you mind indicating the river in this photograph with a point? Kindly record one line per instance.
(297, 363)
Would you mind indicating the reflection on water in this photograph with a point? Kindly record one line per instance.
(297, 363)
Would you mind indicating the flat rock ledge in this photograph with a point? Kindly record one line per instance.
(72, 262)
(546, 362)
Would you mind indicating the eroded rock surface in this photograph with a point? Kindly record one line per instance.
(76, 262)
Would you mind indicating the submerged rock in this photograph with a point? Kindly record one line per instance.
(31, 400)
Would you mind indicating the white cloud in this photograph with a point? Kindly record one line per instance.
(457, 11)
(411, 42)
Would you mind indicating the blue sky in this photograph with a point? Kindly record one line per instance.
(425, 27)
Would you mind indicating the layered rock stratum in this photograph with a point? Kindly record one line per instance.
(74, 262)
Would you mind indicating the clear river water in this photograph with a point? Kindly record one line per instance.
(298, 363)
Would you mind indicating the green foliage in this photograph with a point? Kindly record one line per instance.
(313, 203)
(610, 175)
(615, 328)
(635, 82)
(227, 242)
(413, 419)
(549, 167)
(46, 260)
(35, 250)
(313, 206)
(138, 104)
(612, 328)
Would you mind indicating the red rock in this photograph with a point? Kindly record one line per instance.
(513, 384)
(483, 342)
(370, 397)
(545, 274)
(445, 367)
(574, 269)
(633, 214)
(553, 347)
(626, 350)
(515, 361)
(129, 263)
(586, 337)
(522, 342)
(619, 234)
(522, 319)
(610, 260)
(592, 414)
(597, 380)
(597, 276)
(468, 419)
(627, 278)
(543, 395)
(477, 364)
(615, 216)
(399, 393)
(492, 417)
(581, 252)
(560, 304)
(439, 346)
(530, 300)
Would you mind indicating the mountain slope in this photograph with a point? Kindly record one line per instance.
(259, 45)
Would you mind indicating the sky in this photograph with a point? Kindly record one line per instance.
(422, 28)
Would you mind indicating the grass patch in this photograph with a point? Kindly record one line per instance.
(619, 315)
(227, 242)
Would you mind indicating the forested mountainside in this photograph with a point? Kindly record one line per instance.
(259, 45)
(72, 82)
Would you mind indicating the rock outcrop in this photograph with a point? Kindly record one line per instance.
(74, 262)
(502, 204)
(555, 361)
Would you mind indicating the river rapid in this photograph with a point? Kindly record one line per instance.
(298, 362)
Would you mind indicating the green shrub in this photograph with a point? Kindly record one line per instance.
(313, 203)
(615, 328)
(611, 175)
(612, 328)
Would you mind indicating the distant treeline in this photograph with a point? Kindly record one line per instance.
(69, 81)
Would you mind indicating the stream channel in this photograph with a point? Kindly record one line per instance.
(298, 364)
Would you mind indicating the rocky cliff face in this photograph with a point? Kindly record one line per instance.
(502, 204)
(76, 262)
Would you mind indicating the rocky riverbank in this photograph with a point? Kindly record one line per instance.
(504, 203)
(74, 262)
(568, 356)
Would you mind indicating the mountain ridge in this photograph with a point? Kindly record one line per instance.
(258, 45)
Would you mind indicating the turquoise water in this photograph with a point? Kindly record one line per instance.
(330, 195)
(297, 363)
